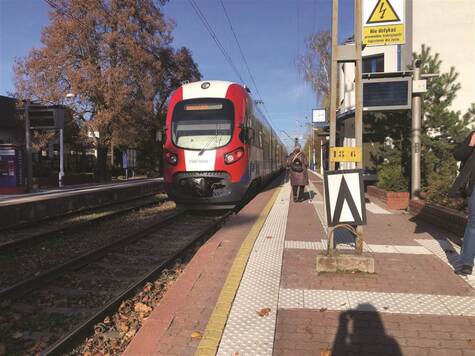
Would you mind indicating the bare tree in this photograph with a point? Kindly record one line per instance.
(315, 64)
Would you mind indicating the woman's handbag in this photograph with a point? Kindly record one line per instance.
(461, 188)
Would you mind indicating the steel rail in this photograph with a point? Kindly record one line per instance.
(28, 224)
(76, 336)
(16, 243)
(32, 283)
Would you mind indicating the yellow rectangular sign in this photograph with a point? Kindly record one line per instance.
(345, 154)
(383, 35)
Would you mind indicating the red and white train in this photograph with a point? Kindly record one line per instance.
(218, 144)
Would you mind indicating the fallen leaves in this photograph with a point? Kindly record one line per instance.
(142, 308)
(115, 332)
(326, 352)
(268, 237)
(322, 310)
(196, 335)
(471, 343)
(263, 312)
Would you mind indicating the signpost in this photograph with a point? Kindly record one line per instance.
(41, 117)
(319, 115)
(383, 22)
(339, 197)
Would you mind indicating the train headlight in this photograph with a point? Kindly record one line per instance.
(171, 158)
(233, 156)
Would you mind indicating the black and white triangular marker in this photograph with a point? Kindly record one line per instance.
(344, 197)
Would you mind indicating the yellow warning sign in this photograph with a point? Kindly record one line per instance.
(383, 35)
(383, 12)
(383, 22)
(345, 154)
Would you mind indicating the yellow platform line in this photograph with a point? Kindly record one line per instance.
(209, 344)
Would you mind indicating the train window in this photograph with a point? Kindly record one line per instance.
(202, 123)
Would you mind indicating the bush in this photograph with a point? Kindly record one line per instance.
(391, 178)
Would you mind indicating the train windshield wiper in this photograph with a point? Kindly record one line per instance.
(214, 138)
(207, 145)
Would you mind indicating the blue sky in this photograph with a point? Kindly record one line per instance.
(272, 34)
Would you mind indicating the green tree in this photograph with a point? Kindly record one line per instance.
(442, 127)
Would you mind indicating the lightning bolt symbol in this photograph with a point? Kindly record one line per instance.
(382, 10)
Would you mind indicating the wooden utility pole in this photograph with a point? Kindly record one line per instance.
(333, 78)
(348, 53)
(358, 83)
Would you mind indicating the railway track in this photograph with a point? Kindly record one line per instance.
(29, 254)
(50, 312)
(69, 220)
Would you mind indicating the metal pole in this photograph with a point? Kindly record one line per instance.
(321, 158)
(29, 165)
(333, 79)
(416, 137)
(313, 149)
(61, 158)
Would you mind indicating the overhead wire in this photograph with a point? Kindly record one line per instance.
(215, 38)
(245, 60)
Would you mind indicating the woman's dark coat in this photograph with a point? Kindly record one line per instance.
(465, 181)
(298, 178)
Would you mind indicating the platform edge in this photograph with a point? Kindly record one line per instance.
(215, 327)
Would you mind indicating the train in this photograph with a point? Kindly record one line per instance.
(217, 145)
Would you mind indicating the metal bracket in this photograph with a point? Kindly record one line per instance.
(331, 237)
(346, 53)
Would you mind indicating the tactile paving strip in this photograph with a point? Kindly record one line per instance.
(448, 253)
(376, 209)
(321, 245)
(247, 332)
(404, 303)
(319, 205)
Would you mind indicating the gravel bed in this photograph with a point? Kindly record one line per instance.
(48, 253)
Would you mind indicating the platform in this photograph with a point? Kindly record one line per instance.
(32, 207)
(253, 289)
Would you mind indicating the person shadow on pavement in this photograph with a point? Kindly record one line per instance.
(367, 336)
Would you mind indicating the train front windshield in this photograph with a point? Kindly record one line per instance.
(202, 123)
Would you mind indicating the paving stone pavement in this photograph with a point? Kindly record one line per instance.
(413, 305)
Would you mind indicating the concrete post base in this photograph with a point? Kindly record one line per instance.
(345, 262)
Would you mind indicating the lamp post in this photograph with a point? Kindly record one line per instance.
(29, 164)
(61, 149)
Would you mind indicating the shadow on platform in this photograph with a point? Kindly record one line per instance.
(361, 332)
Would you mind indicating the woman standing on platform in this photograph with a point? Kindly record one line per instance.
(298, 164)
